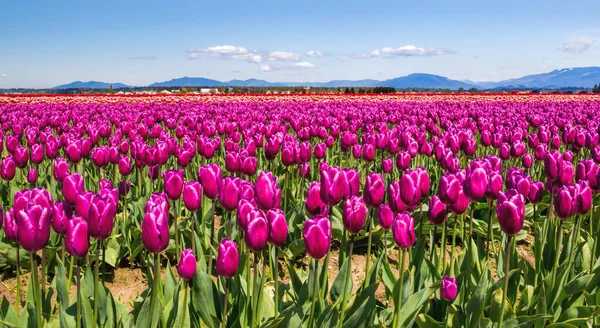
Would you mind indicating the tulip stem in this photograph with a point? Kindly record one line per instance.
(155, 282)
(446, 316)
(397, 323)
(78, 304)
(72, 259)
(490, 242)
(314, 294)
(193, 228)
(43, 279)
(212, 237)
(443, 246)
(254, 291)
(176, 225)
(276, 281)
(225, 304)
(348, 274)
(36, 291)
(557, 255)
(62, 254)
(185, 304)
(433, 242)
(18, 279)
(574, 237)
(368, 259)
(98, 245)
(506, 270)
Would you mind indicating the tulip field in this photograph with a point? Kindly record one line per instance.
(300, 211)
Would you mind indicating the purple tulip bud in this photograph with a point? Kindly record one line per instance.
(77, 240)
(62, 214)
(155, 230)
(21, 156)
(10, 226)
(584, 197)
(511, 211)
(33, 225)
(385, 216)
(494, 186)
(37, 154)
(187, 265)
(125, 166)
(461, 204)
(449, 188)
(124, 188)
(230, 193)
(268, 194)
(317, 236)
(394, 199)
(314, 205)
(102, 212)
(8, 169)
(257, 231)
(227, 258)
(173, 183)
(527, 161)
(437, 212)
(211, 178)
(476, 184)
(374, 191)
(449, 289)
(403, 160)
(319, 150)
(536, 192)
(61, 169)
(333, 185)
(410, 191)
(304, 170)
(72, 186)
(566, 176)
(354, 214)
(387, 165)
(553, 164)
(403, 230)
(153, 172)
(32, 175)
(192, 196)
(278, 228)
(248, 166)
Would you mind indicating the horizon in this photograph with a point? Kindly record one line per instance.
(48, 45)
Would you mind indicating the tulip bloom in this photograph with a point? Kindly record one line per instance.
(230, 193)
(155, 230)
(314, 205)
(317, 236)
(33, 225)
(61, 169)
(8, 169)
(192, 196)
(354, 214)
(211, 178)
(403, 230)
(268, 194)
(173, 183)
(449, 289)
(333, 185)
(374, 191)
(410, 191)
(72, 186)
(32, 175)
(186, 268)
(77, 240)
(565, 203)
(437, 212)
(257, 231)
(102, 212)
(278, 228)
(511, 211)
(385, 216)
(62, 214)
(394, 199)
(475, 184)
(227, 258)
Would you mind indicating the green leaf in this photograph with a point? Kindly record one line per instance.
(412, 306)
(425, 321)
(205, 299)
(526, 321)
(578, 315)
(477, 301)
(495, 307)
(337, 289)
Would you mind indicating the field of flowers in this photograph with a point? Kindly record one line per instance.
(301, 211)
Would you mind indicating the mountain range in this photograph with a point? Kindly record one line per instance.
(577, 77)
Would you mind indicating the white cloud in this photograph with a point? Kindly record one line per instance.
(575, 47)
(317, 53)
(3, 75)
(283, 56)
(143, 58)
(265, 68)
(304, 64)
(410, 51)
(226, 52)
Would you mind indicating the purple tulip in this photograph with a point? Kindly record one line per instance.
(494, 186)
(317, 236)
(186, 268)
(32, 175)
(77, 240)
(102, 212)
(72, 186)
(62, 214)
(21, 156)
(192, 196)
(61, 169)
(511, 211)
(257, 231)
(173, 183)
(403, 160)
(10, 226)
(475, 184)
(333, 185)
(124, 188)
(278, 228)
(374, 191)
(437, 212)
(230, 193)
(403, 230)
(314, 205)
(82, 204)
(33, 225)
(410, 191)
(354, 214)
(227, 258)
(155, 230)
(8, 169)
(584, 197)
(268, 194)
(394, 199)
(449, 289)
(536, 192)
(124, 165)
(248, 166)
(385, 216)
(211, 178)
(387, 165)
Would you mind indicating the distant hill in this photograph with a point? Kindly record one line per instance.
(188, 82)
(92, 85)
(585, 77)
(577, 77)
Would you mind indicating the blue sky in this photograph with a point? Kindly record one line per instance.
(46, 43)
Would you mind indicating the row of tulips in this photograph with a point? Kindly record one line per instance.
(83, 191)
